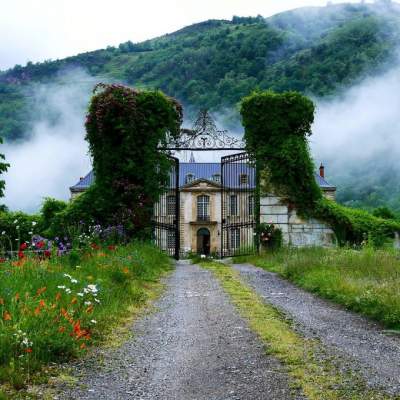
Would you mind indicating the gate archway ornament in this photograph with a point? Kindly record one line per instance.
(204, 136)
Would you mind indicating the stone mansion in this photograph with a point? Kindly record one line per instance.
(201, 202)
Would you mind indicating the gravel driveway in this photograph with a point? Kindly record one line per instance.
(365, 346)
(195, 346)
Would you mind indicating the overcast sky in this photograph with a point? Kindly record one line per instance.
(36, 30)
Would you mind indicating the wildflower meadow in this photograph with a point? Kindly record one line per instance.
(54, 307)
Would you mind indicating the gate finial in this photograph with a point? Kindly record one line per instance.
(192, 160)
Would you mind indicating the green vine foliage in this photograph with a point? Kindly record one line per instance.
(124, 128)
(276, 131)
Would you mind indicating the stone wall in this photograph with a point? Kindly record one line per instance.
(296, 231)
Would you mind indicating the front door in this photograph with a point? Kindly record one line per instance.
(203, 241)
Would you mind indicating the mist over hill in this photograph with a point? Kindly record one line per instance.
(325, 52)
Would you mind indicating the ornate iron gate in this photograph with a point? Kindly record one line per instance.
(240, 209)
(166, 215)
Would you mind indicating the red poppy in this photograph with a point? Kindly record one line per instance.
(95, 246)
(23, 246)
(21, 254)
(47, 253)
(111, 247)
(40, 244)
(28, 350)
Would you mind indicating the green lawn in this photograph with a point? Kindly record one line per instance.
(366, 281)
(53, 310)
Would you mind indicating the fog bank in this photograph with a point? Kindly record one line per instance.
(55, 155)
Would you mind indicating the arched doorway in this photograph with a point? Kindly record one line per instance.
(203, 241)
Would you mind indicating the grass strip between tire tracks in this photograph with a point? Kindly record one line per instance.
(315, 375)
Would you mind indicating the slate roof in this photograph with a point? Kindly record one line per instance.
(205, 171)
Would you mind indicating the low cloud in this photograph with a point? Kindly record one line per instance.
(361, 129)
(55, 155)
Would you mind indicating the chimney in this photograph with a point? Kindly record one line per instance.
(81, 178)
(322, 171)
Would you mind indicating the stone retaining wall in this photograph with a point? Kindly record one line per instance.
(296, 231)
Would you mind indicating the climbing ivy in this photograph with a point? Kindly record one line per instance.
(276, 131)
(124, 128)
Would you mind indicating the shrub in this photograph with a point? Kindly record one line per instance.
(352, 226)
(270, 236)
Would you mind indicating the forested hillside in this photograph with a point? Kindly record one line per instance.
(318, 51)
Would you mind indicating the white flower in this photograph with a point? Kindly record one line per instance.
(78, 266)
(61, 287)
(80, 294)
(97, 301)
(93, 321)
(30, 233)
(68, 290)
(74, 280)
(3, 233)
(17, 227)
(88, 303)
(68, 276)
(203, 256)
(92, 288)
(34, 223)
(15, 221)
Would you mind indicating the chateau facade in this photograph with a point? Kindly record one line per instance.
(201, 202)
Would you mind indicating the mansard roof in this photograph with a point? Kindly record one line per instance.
(204, 171)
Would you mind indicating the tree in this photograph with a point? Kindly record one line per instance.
(3, 168)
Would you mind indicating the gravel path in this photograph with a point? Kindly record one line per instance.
(195, 346)
(364, 345)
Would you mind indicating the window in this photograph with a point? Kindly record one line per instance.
(243, 179)
(189, 178)
(216, 178)
(233, 205)
(171, 205)
(203, 206)
(170, 239)
(251, 205)
(235, 238)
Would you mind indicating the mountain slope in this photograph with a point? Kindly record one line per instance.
(319, 51)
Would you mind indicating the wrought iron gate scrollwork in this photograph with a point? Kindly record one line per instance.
(239, 205)
(166, 214)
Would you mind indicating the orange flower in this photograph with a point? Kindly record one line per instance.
(1, 301)
(42, 304)
(41, 290)
(125, 270)
(58, 296)
(89, 310)
(61, 329)
(82, 346)
(17, 297)
(74, 300)
(28, 350)
(37, 311)
(7, 316)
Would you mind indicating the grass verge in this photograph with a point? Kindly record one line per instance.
(54, 310)
(311, 371)
(366, 281)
